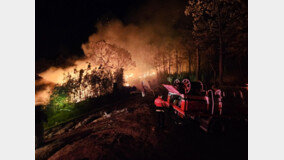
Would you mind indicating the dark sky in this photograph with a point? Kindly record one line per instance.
(63, 25)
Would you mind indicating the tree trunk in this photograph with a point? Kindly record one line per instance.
(169, 65)
(164, 65)
(214, 73)
(189, 69)
(197, 63)
(220, 47)
(176, 62)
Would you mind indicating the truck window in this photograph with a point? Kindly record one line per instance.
(176, 100)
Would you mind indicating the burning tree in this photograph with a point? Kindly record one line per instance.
(108, 55)
(81, 85)
(88, 83)
(78, 86)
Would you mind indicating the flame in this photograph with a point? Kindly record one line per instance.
(57, 76)
(129, 75)
(132, 77)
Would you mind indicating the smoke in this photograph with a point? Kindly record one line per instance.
(151, 29)
(130, 37)
(42, 90)
(47, 80)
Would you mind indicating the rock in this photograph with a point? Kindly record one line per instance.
(78, 125)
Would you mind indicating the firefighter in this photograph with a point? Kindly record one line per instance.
(218, 97)
(40, 117)
(160, 112)
(143, 90)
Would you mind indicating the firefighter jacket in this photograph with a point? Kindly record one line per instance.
(160, 106)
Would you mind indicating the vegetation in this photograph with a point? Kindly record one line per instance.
(72, 97)
(82, 88)
(57, 115)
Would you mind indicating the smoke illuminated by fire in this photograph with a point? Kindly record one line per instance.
(142, 41)
(44, 89)
(56, 75)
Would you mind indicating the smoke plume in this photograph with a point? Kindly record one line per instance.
(152, 30)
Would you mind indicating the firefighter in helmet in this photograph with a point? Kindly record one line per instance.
(160, 112)
(218, 97)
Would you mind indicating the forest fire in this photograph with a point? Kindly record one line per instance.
(60, 77)
(115, 46)
(85, 69)
(165, 42)
(118, 79)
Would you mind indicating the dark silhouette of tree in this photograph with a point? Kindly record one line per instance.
(118, 76)
(219, 25)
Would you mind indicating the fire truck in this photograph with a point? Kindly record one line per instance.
(189, 101)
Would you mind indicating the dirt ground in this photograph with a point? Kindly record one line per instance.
(128, 131)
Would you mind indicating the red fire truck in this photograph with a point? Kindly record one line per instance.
(189, 101)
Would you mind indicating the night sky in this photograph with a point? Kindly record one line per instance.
(63, 25)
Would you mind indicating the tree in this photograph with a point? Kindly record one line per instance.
(222, 20)
(82, 84)
(118, 76)
(108, 55)
(158, 62)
